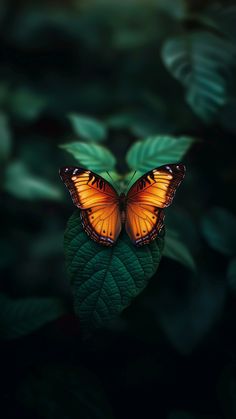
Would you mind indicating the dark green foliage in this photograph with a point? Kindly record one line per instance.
(219, 229)
(105, 280)
(201, 61)
(122, 86)
(64, 391)
(18, 317)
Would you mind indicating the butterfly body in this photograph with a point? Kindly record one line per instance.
(104, 213)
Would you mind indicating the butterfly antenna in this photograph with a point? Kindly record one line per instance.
(117, 186)
(132, 177)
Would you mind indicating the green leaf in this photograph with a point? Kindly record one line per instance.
(105, 280)
(219, 230)
(5, 138)
(22, 184)
(26, 104)
(18, 317)
(88, 128)
(91, 156)
(202, 62)
(231, 275)
(177, 250)
(155, 151)
(63, 392)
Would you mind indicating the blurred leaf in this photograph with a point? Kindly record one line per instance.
(91, 156)
(221, 17)
(64, 392)
(105, 280)
(182, 222)
(175, 8)
(177, 250)
(188, 316)
(231, 275)
(142, 123)
(5, 138)
(7, 252)
(88, 128)
(202, 62)
(155, 151)
(22, 184)
(26, 104)
(219, 230)
(18, 317)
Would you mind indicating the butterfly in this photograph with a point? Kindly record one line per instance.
(104, 212)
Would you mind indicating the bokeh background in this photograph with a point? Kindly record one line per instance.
(139, 68)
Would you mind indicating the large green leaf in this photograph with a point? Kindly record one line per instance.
(22, 184)
(202, 62)
(154, 151)
(105, 280)
(63, 392)
(219, 230)
(88, 128)
(92, 156)
(176, 249)
(18, 317)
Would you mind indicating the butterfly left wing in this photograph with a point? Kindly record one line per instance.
(98, 201)
(146, 200)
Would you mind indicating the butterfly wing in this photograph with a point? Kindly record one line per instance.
(98, 201)
(146, 200)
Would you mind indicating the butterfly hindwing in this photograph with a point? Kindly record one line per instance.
(98, 201)
(146, 199)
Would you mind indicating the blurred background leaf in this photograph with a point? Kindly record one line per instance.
(22, 184)
(19, 317)
(64, 391)
(88, 128)
(219, 229)
(5, 138)
(202, 62)
(177, 250)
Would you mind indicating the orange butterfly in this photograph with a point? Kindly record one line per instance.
(103, 211)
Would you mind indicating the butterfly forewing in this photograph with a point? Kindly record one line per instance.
(98, 201)
(146, 198)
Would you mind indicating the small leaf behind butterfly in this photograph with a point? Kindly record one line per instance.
(105, 280)
(88, 128)
(93, 156)
(155, 151)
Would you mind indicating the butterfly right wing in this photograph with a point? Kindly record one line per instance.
(146, 199)
(98, 201)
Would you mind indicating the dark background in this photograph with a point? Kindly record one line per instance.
(171, 355)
